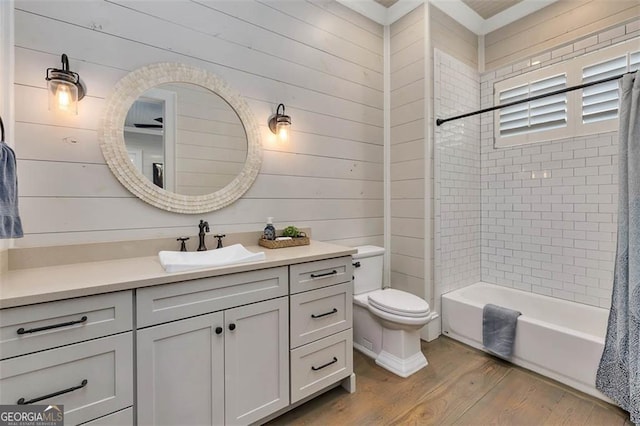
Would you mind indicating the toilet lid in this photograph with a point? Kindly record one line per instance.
(399, 303)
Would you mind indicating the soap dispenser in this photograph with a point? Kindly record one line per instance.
(269, 230)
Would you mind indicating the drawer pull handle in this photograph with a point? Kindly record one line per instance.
(333, 311)
(49, 327)
(21, 401)
(326, 274)
(218, 330)
(325, 365)
(232, 326)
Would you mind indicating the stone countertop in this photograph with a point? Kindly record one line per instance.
(36, 285)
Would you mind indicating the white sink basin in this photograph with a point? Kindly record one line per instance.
(176, 261)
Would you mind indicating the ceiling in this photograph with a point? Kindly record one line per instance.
(484, 8)
(386, 3)
(479, 16)
(489, 8)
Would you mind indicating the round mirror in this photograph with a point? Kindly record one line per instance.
(185, 139)
(180, 139)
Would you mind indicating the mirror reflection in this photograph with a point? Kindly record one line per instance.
(185, 138)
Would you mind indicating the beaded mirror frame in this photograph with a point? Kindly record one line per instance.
(112, 143)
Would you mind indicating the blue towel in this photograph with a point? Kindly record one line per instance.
(499, 329)
(10, 224)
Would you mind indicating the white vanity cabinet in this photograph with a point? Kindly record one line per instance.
(226, 367)
(321, 325)
(77, 353)
(121, 342)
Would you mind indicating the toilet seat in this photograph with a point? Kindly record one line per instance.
(394, 321)
(399, 303)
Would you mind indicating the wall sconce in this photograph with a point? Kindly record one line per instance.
(280, 124)
(65, 88)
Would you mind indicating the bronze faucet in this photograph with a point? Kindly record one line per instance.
(204, 227)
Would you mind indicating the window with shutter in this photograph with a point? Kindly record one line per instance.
(600, 102)
(634, 61)
(542, 114)
(593, 109)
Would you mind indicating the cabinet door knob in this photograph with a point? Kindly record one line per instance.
(218, 330)
(232, 326)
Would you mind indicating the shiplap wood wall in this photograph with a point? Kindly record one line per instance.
(322, 60)
(408, 248)
(560, 23)
(452, 37)
(412, 227)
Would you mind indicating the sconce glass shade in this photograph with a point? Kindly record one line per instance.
(64, 87)
(280, 124)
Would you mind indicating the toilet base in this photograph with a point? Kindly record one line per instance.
(402, 367)
(364, 350)
(401, 352)
(394, 347)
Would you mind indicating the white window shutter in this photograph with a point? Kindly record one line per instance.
(591, 110)
(634, 61)
(539, 115)
(600, 102)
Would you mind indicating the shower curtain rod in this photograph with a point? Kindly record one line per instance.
(440, 121)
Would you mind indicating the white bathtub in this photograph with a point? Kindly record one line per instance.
(559, 339)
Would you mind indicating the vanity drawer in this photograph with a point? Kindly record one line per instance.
(320, 313)
(322, 273)
(121, 418)
(170, 302)
(106, 364)
(320, 364)
(33, 328)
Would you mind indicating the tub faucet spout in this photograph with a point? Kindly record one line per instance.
(204, 227)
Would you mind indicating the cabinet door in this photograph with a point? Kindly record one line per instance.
(256, 360)
(181, 372)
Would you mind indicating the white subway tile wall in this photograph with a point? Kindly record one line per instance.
(540, 217)
(549, 209)
(457, 176)
(549, 217)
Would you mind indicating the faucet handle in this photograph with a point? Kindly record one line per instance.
(182, 240)
(219, 237)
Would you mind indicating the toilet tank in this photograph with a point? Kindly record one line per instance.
(368, 276)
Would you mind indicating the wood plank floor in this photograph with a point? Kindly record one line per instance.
(461, 386)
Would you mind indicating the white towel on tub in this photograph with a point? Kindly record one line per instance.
(499, 329)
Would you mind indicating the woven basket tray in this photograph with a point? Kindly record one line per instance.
(272, 244)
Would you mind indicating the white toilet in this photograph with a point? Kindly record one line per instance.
(386, 322)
